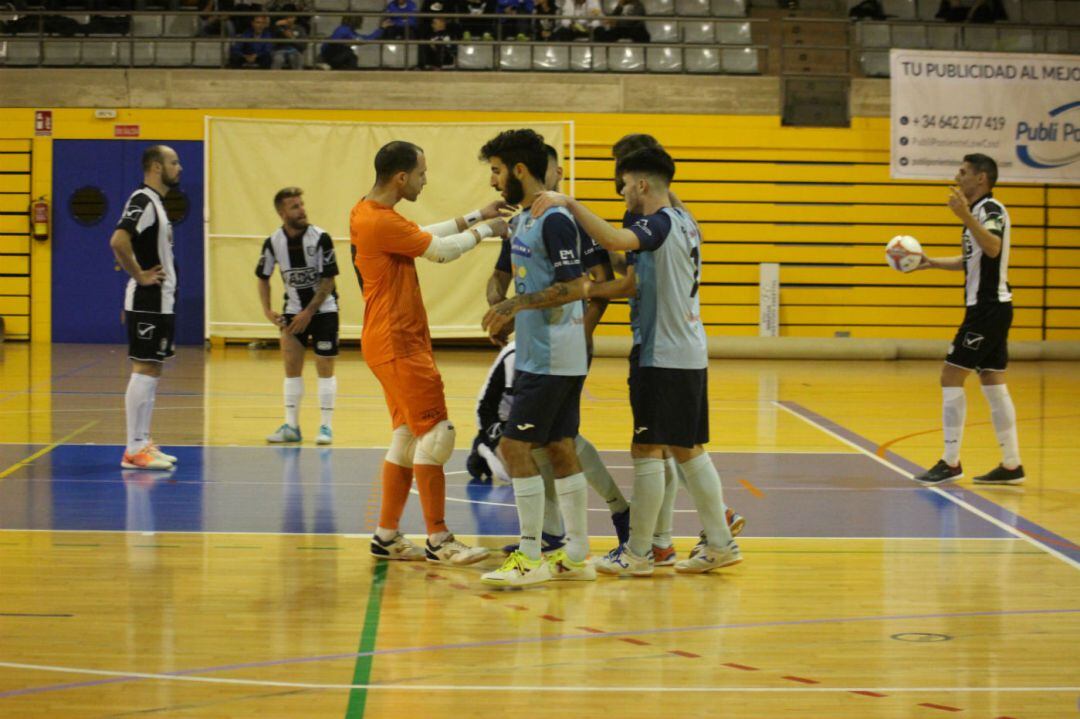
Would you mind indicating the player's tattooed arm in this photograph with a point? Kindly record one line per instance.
(608, 237)
(497, 287)
(595, 306)
(560, 293)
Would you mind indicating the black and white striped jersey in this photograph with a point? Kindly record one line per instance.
(152, 241)
(497, 394)
(986, 279)
(304, 262)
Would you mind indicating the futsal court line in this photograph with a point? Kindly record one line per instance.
(857, 442)
(45, 450)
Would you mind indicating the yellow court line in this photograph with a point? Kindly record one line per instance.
(45, 450)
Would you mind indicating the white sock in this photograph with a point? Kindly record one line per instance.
(598, 476)
(703, 483)
(574, 501)
(645, 506)
(385, 534)
(953, 412)
(146, 411)
(1003, 415)
(438, 538)
(529, 498)
(140, 391)
(327, 396)
(294, 392)
(553, 521)
(666, 518)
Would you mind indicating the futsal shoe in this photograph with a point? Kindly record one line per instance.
(663, 556)
(1000, 475)
(623, 563)
(940, 473)
(548, 544)
(285, 433)
(735, 522)
(621, 520)
(399, 548)
(143, 459)
(156, 451)
(564, 569)
(519, 571)
(326, 435)
(709, 559)
(451, 551)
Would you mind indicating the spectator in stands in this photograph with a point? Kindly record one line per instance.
(517, 27)
(211, 24)
(479, 27)
(340, 56)
(252, 49)
(441, 52)
(302, 8)
(288, 55)
(400, 23)
(971, 11)
(867, 10)
(544, 11)
(632, 30)
(583, 21)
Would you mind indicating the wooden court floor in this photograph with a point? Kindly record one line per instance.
(240, 584)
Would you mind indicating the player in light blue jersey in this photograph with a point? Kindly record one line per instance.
(550, 365)
(669, 364)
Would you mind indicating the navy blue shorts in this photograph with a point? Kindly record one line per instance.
(151, 335)
(322, 332)
(982, 342)
(670, 406)
(546, 408)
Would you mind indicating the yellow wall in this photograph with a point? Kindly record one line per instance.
(817, 200)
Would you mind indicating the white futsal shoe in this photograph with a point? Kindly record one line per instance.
(624, 563)
(709, 559)
(519, 571)
(399, 548)
(155, 450)
(564, 569)
(451, 551)
(285, 433)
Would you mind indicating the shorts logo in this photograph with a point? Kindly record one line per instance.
(324, 345)
(972, 341)
(527, 425)
(164, 344)
(639, 430)
(145, 330)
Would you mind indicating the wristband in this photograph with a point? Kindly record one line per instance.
(483, 231)
(473, 217)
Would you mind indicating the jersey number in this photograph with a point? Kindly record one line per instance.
(696, 257)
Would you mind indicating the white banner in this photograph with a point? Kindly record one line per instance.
(1021, 110)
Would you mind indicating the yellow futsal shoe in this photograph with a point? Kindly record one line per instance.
(518, 571)
(564, 569)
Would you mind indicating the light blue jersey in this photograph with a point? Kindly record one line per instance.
(665, 315)
(545, 251)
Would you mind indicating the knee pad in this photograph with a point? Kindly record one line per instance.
(437, 445)
(402, 447)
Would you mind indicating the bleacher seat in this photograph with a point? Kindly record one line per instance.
(873, 34)
(659, 7)
(476, 57)
(99, 54)
(705, 59)
(733, 33)
(172, 54)
(323, 26)
(399, 56)
(739, 61)
(874, 64)
(900, 9)
(587, 57)
(908, 36)
(208, 54)
(368, 57)
(1017, 39)
(1055, 41)
(181, 25)
(367, 5)
(1068, 12)
(147, 25)
(663, 59)
(551, 57)
(699, 32)
(61, 52)
(729, 8)
(333, 6)
(1014, 9)
(1074, 41)
(626, 59)
(515, 57)
(943, 37)
(664, 30)
(980, 38)
(21, 52)
(693, 7)
(1039, 12)
(927, 9)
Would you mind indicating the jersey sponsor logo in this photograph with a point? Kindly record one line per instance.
(145, 330)
(643, 225)
(133, 212)
(526, 426)
(972, 340)
(300, 277)
(519, 248)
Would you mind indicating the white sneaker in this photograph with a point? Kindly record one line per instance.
(325, 436)
(156, 451)
(143, 459)
(622, 562)
(710, 558)
(285, 433)
(564, 569)
(451, 551)
(518, 571)
(399, 548)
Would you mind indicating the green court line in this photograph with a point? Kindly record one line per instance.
(362, 672)
(323, 549)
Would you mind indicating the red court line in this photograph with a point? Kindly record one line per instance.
(942, 707)
(801, 680)
(745, 668)
(688, 655)
(487, 596)
(869, 694)
(518, 607)
(455, 585)
(550, 618)
(631, 640)
(591, 630)
(751, 488)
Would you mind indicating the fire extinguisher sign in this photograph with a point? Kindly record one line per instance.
(43, 123)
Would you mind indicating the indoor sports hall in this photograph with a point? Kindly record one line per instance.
(240, 582)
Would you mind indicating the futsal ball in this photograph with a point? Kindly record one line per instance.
(903, 253)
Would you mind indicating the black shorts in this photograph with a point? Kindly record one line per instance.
(322, 330)
(670, 406)
(982, 342)
(546, 408)
(151, 336)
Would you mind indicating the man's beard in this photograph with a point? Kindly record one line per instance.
(515, 191)
(170, 181)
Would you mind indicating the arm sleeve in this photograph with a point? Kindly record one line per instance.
(592, 254)
(504, 263)
(132, 218)
(265, 267)
(442, 229)
(399, 236)
(329, 258)
(561, 241)
(651, 230)
(451, 247)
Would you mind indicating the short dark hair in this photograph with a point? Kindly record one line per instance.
(394, 157)
(635, 141)
(552, 153)
(648, 161)
(983, 163)
(514, 146)
(284, 194)
(152, 154)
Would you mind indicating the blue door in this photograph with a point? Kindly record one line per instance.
(91, 181)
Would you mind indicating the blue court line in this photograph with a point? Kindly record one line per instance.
(1048, 540)
(532, 640)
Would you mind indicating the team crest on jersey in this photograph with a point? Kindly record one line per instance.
(310, 250)
(300, 277)
(522, 271)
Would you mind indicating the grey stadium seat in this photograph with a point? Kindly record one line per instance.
(900, 9)
(739, 61)
(626, 59)
(873, 34)
(693, 7)
(147, 25)
(515, 57)
(927, 9)
(733, 33)
(1014, 9)
(476, 57)
(61, 52)
(663, 59)
(663, 30)
(181, 25)
(729, 8)
(699, 32)
(588, 57)
(332, 6)
(323, 26)
(208, 54)
(551, 57)
(172, 54)
(99, 54)
(1068, 12)
(704, 59)
(943, 37)
(1017, 39)
(1040, 12)
(21, 52)
(980, 38)
(875, 64)
(659, 7)
(367, 5)
(909, 36)
(367, 56)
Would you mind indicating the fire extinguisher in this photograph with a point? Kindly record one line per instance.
(39, 217)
